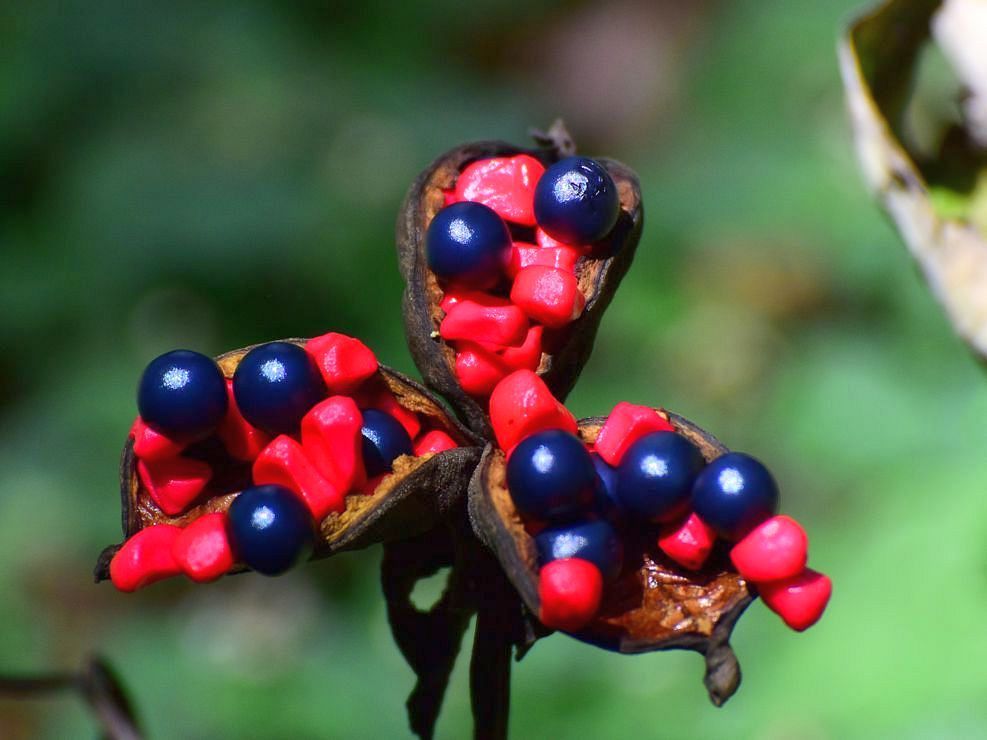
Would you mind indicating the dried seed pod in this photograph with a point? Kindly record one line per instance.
(406, 503)
(598, 274)
(654, 606)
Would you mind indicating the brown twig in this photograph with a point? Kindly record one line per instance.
(557, 138)
(96, 683)
(430, 641)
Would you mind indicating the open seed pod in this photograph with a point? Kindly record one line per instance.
(935, 191)
(654, 604)
(405, 503)
(598, 274)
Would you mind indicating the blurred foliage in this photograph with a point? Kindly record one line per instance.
(215, 174)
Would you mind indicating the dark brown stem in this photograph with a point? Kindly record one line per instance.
(499, 627)
(490, 675)
(34, 687)
(429, 641)
(557, 138)
(98, 686)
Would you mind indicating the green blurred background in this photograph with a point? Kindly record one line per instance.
(215, 174)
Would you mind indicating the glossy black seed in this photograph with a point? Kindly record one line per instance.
(576, 201)
(467, 242)
(734, 494)
(551, 476)
(594, 540)
(384, 440)
(270, 529)
(182, 394)
(655, 476)
(275, 385)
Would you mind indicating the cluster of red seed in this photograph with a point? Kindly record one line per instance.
(772, 556)
(497, 332)
(322, 464)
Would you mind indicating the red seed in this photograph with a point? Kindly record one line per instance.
(284, 462)
(434, 442)
(477, 370)
(345, 362)
(152, 445)
(332, 441)
(145, 558)
(548, 295)
(548, 242)
(799, 601)
(688, 543)
(626, 424)
(505, 184)
(521, 405)
(174, 483)
(202, 550)
(240, 438)
(454, 294)
(528, 355)
(774, 550)
(526, 255)
(472, 321)
(570, 590)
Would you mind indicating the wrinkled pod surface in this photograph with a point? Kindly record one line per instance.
(403, 504)
(654, 604)
(598, 273)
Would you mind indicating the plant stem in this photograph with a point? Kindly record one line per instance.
(96, 683)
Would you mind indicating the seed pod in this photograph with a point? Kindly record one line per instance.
(403, 504)
(656, 606)
(598, 275)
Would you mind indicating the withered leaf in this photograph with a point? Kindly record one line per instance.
(879, 56)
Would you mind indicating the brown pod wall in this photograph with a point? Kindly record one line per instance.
(654, 604)
(598, 276)
(404, 504)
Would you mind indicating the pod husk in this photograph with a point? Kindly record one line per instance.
(404, 504)
(655, 606)
(599, 275)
